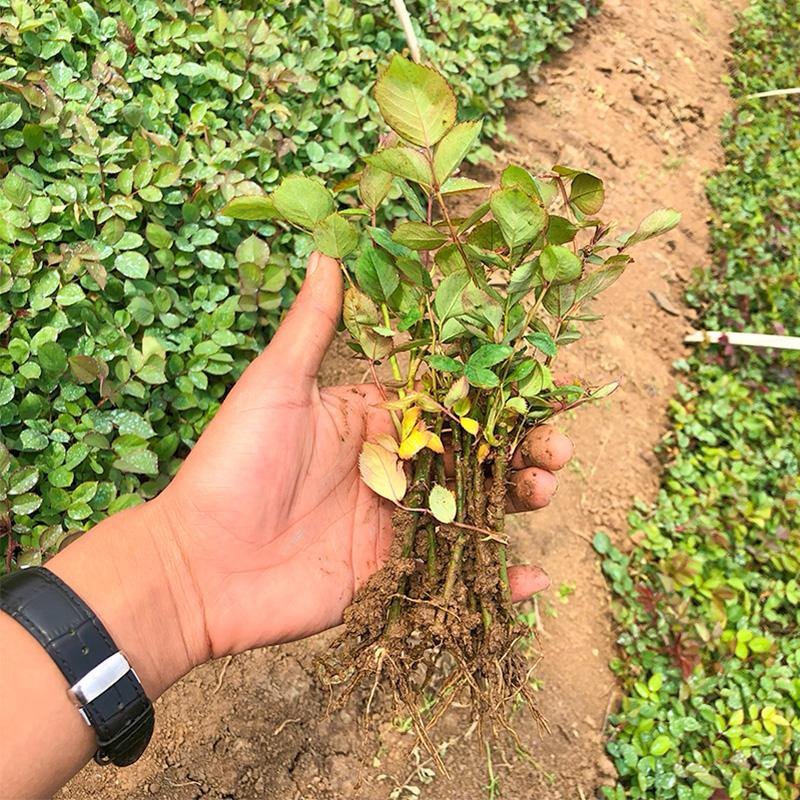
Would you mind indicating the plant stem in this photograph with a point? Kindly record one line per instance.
(393, 358)
(458, 454)
(453, 567)
(431, 552)
(497, 517)
(415, 495)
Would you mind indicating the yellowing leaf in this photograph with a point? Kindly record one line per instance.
(410, 418)
(435, 443)
(469, 425)
(415, 101)
(374, 185)
(453, 148)
(442, 503)
(387, 442)
(411, 445)
(303, 201)
(457, 391)
(382, 472)
(402, 162)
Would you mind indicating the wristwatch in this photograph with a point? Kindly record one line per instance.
(102, 684)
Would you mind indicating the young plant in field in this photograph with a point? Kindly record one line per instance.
(469, 305)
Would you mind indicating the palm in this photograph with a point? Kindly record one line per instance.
(280, 517)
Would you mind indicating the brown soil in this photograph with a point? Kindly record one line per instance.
(638, 99)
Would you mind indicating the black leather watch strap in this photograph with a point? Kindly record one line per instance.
(121, 714)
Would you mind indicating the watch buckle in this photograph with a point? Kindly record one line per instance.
(98, 680)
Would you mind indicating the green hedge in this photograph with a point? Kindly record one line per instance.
(708, 601)
(124, 127)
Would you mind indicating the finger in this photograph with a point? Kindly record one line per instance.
(530, 489)
(299, 345)
(526, 581)
(543, 447)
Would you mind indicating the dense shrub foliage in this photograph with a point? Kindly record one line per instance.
(709, 598)
(128, 306)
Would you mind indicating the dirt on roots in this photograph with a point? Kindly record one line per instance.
(639, 98)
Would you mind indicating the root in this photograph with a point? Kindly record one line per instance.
(438, 616)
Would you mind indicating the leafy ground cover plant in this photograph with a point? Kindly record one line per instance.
(708, 598)
(128, 306)
(468, 303)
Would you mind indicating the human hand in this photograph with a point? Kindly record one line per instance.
(273, 526)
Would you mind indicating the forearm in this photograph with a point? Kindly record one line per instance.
(130, 573)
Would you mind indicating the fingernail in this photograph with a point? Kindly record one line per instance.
(313, 263)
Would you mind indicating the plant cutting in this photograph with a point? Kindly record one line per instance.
(459, 310)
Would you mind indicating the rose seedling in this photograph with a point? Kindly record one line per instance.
(468, 302)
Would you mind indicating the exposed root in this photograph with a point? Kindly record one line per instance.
(439, 614)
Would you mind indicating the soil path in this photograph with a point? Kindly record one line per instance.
(638, 99)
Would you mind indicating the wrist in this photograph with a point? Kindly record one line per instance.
(129, 570)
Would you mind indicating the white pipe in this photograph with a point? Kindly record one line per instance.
(408, 29)
(775, 92)
(745, 339)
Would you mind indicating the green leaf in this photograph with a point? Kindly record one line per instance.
(660, 745)
(303, 201)
(129, 422)
(539, 380)
(402, 162)
(587, 193)
(70, 294)
(481, 377)
(760, 644)
(559, 264)
(158, 236)
(252, 207)
(521, 219)
(447, 300)
(559, 300)
(445, 364)
(10, 114)
(376, 274)
(52, 358)
(461, 185)
(139, 461)
(335, 236)
(490, 354)
(26, 504)
(7, 390)
(544, 342)
(132, 265)
(22, 480)
(442, 503)
(514, 177)
(453, 148)
(416, 101)
(418, 236)
(16, 189)
(654, 224)
(596, 282)
(601, 543)
(33, 440)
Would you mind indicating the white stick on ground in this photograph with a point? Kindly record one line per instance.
(745, 339)
(775, 92)
(408, 29)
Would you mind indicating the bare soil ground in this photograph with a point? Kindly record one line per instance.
(638, 99)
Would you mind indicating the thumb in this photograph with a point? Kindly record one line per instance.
(300, 343)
